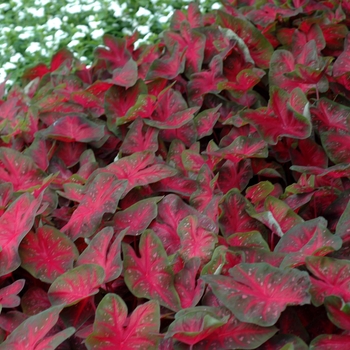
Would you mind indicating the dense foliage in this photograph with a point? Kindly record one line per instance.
(187, 194)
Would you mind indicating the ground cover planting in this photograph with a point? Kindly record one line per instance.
(187, 194)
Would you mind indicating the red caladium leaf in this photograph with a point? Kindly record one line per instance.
(52, 342)
(114, 330)
(8, 295)
(267, 14)
(278, 216)
(245, 80)
(76, 284)
(139, 169)
(242, 147)
(177, 184)
(19, 169)
(190, 41)
(192, 161)
(137, 217)
(206, 81)
(88, 101)
(195, 240)
(309, 153)
(125, 76)
(101, 196)
(104, 251)
(331, 278)
(260, 50)
(35, 300)
(70, 152)
(30, 334)
(36, 72)
(252, 239)
(74, 129)
(330, 341)
(306, 71)
(171, 111)
(189, 289)
(343, 225)
(235, 175)
(47, 253)
(140, 137)
(123, 106)
(205, 121)
(338, 312)
(173, 120)
(80, 316)
(194, 324)
(258, 293)
(38, 151)
(307, 238)
(72, 191)
(169, 66)
(235, 334)
(259, 192)
(234, 215)
(41, 69)
(205, 199)
(116, 54)
(341, 65)
(10, 109)
(59, 58)
(286, 341)
(6, 193)
(185, 133)
(300, 38)
(146, 276)
(11, 320)
(330, 116)
(171, 210)
(193, 16)
(14, 225)
(286, 115)
(336, 146)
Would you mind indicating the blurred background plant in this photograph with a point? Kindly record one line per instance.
(31, 31)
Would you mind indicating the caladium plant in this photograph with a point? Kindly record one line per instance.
(188, 194)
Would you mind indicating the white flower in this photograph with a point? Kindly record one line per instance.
(33, 47)
(96, 34)
(9, 65)
(75, 8)
(25, 35)
(94, 24)
(54, 23)
(39, 12)
(116, 8)
(15, 58)
(143, 29)
(216, 6)
(2, 75)
(78, 35)
(73, 43)
(83, 29)
(143, 12)
(60, 34)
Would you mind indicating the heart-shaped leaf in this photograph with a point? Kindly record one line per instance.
(258, 293)
(146, 276)
(113, 329)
